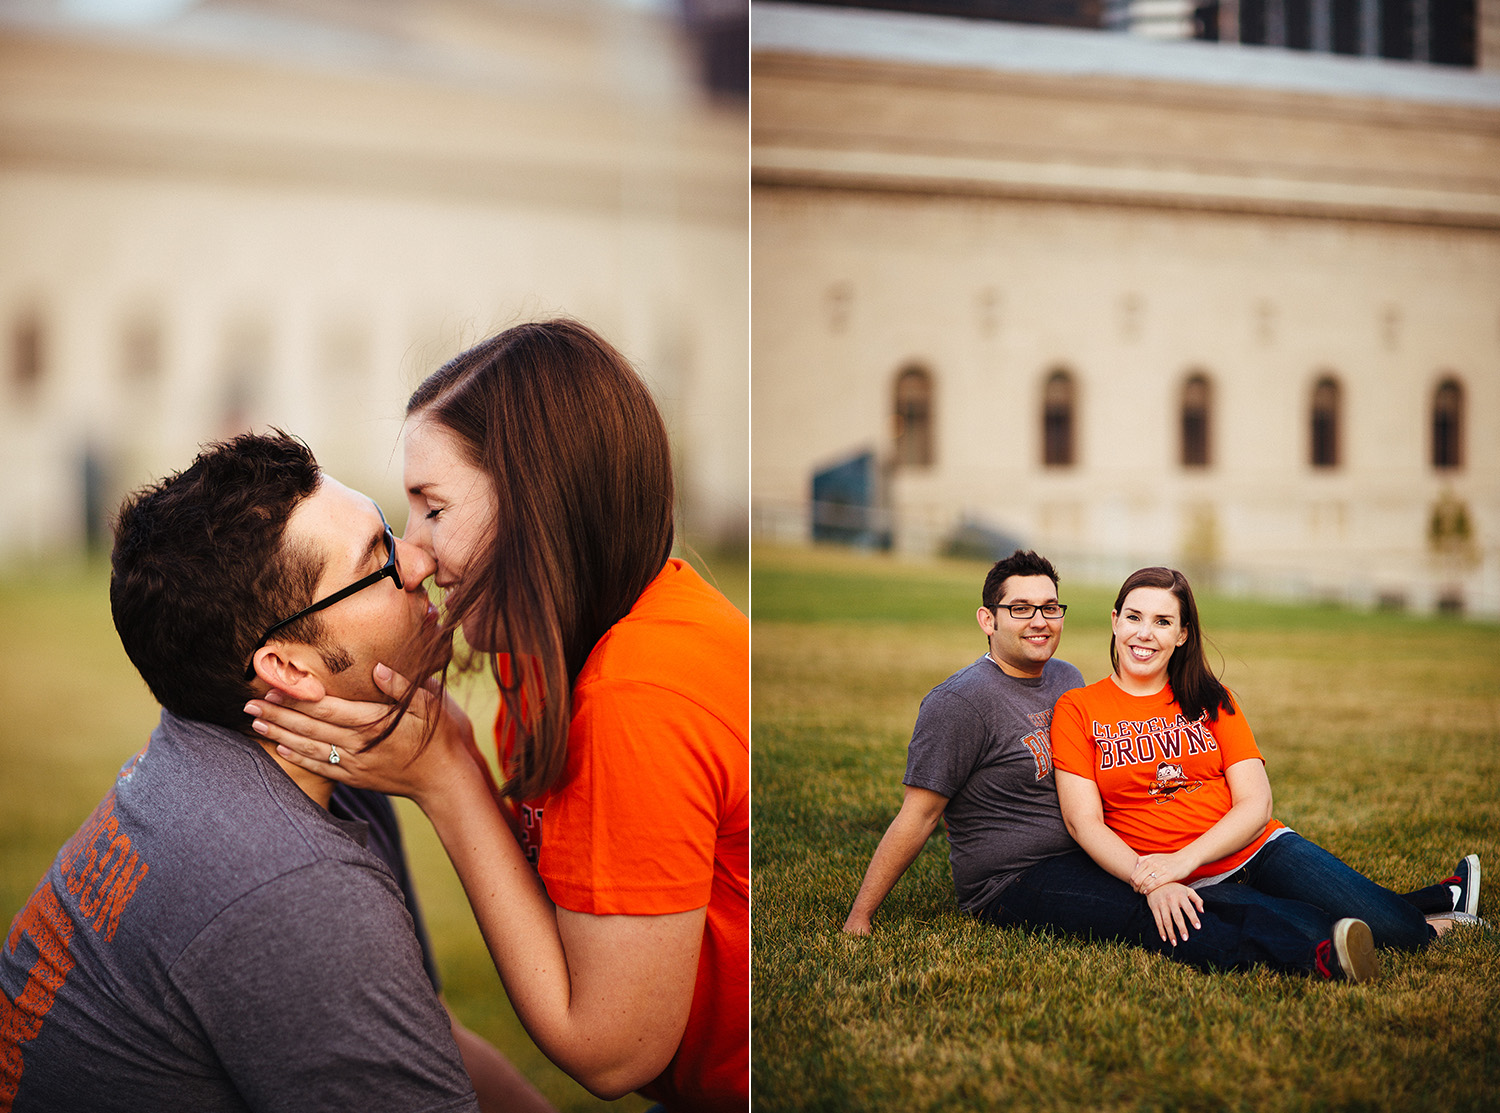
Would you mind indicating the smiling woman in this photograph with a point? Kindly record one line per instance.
(1160, 780)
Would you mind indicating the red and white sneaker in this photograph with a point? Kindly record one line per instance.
(1349, 954)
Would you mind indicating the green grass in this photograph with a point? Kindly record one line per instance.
(72, 710)
(1382, 738)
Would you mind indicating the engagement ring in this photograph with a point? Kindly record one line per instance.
(333, 759)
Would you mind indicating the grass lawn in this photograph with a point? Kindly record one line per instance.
(1381, 734)
(73, 709)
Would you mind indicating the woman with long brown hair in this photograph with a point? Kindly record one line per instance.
(539, 479)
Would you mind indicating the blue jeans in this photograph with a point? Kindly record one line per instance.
(1242, 926)
(1291, 868)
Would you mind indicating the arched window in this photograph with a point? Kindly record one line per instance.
(141, 349)
(1448, 425)
(1197, 412)
(28, 355)
(1058, 419)
(1325, 440)
(246, 364)
(914, 418)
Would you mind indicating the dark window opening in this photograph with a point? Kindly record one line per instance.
(1345, 18)
(1196, 414)
(1298, 24)
(1253, 21)
(1325, 424)
(1395, 29)
(28, 355)
(1447, 426)
(1451, 30)
(1057, 420)
(1206, 21)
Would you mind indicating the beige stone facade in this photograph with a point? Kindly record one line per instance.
(1197, 242)
(260, 212)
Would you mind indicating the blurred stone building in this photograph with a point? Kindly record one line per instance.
(1129, 301)
(227, 214)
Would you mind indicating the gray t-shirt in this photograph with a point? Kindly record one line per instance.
(983, 739)
(212, 940)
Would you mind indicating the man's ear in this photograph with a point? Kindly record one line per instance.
(284, 666)
(986, 620)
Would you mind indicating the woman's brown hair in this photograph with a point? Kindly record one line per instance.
(582, 474)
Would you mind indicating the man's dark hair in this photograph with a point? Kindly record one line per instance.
(1019, 563)
(199, 571)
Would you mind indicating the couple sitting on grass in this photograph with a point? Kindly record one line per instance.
(1156, 828)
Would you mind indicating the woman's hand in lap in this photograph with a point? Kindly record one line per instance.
(1155, 870)
(1175, 907)
(400, 764)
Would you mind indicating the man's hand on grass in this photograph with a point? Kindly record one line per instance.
(857, 924)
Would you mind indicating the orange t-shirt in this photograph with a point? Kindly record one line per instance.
(1161, 778)
(652, 814)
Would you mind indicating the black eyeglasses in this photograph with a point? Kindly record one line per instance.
(1026, 610)
(390, 569)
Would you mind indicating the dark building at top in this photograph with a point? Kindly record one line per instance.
(1441, 32)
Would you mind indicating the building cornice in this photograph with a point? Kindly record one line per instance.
(87, 107)
(847, 123)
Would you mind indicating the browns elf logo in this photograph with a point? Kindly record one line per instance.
(100, 871)
(1170, 781)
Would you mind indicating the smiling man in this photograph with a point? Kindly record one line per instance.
(228, 931)
(981, 756)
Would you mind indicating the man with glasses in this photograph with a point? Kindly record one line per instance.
(981, 757)
(228, 931)
(981, 753)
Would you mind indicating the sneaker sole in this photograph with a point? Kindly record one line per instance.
(1355, 948)
(1471, 893)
